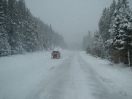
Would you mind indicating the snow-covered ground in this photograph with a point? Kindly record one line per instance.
(117, 78)
(75, 75)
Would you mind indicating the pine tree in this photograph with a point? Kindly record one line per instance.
(4, 46)
(104, 24)
(89, 43)
(23, 23)
(5, 9)
(12, 26)
(98, 45)
(23, 31)
(121, 32)
(84, 43)
(112, 9)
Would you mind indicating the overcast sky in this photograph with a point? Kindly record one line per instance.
(71, 18)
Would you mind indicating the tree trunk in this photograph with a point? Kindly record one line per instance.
(129, 60)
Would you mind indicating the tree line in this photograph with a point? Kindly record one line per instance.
(113, 40)
(21, 32)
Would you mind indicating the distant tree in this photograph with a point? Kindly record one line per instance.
(104, 25)
(98, 45)
(84, 43)
(89, 43)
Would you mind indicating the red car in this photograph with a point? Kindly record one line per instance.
(55, 54)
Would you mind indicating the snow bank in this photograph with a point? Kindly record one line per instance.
(19, 74)
(117, 79)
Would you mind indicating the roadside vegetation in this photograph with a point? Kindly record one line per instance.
(21, 32)
(113, 40)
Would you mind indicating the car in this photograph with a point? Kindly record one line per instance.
(55, 54)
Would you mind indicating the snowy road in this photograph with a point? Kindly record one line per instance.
(74, 76)
(67, 81)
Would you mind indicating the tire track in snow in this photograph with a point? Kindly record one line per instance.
(53, 86)
(66, 81)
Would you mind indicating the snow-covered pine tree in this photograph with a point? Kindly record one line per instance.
(62, 43)
(5, 9)
(107, 51)
(84, 43)
(34, 34)
(89, 43)
(13, 27)
(112, 9)
(23, 31)
(98, 46)
(126, 31)
(104, 25)
(45, 33)
(121, 32)
(29, 39)
(41, 32)
(22, 22)
(19, 35)
(4, 45)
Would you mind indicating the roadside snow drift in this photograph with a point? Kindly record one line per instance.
(19, 74)
(118, 79)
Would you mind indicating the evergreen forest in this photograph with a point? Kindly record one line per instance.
(21, 32)
(113, 40)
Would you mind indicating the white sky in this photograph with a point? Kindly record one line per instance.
(71, 18)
